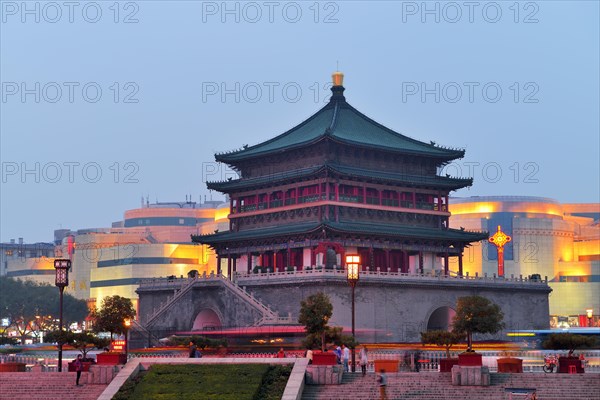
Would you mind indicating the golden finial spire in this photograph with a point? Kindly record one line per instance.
(337, 78)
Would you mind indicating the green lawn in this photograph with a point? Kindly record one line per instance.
(223, 382)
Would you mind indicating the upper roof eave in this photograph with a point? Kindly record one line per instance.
(325, 123)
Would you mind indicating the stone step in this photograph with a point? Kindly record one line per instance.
(437, 386)
(47, 385)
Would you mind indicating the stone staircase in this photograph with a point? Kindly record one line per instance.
(47, 386)
(438, 386)
(181, 287)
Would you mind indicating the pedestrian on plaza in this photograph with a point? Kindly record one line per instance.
(364, 360)
(382, 380)
(309, 354)
(417, 361)
(193, 349)
(78, 364)
(281, 353)
(338, 354)
(345, 357)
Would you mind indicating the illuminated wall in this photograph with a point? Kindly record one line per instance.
(121, 276)
(39, 270)
(559, 241)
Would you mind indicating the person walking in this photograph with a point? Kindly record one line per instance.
(382, 379)
(280, 353)
(78, 364)
(193, 349)
(345, 357)
(309, 355)
(364, 360)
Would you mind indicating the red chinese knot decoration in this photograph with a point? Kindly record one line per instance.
(499, 240)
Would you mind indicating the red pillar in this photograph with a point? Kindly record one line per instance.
(414, 200)
(249, 262)
(218, 265)
(420, 261)
(460, 263)
(313, 257)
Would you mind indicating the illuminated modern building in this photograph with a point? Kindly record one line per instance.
(33, 261)
(151, 241)
(560, 241)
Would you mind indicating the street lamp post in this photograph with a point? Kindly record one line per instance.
(127, 324)
(590, 314)
(61, 267)
(353, 273)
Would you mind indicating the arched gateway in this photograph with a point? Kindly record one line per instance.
(206, 319)
(441, 319)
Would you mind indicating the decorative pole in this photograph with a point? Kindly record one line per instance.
(499, 240)
(353, 273)
(61, 267)
(127, 324)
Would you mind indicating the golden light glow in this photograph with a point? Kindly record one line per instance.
(127, 322)
(352, 267)
(221, 213)
(486, 207)
(352, 259)
(518, 334)
(589, 312)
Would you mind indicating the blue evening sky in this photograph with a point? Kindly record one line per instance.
(105, 102)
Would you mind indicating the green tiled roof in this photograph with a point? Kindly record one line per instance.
(389, 230)
(408, 231)
(341, 122)
(343, 170)
(260, 233)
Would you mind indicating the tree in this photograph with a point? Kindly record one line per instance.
(315, 312)
(568, 341)
(82, 341)
(476, 314)
(333, 334)
(442, 339)
(112, 315)
(31, 307)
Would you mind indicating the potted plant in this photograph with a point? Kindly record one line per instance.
(506, 363)
(571, 342)
(10, 363)
(444, 339)
(475, 314)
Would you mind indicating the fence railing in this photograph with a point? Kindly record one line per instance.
(378, 273)
(428, 361)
